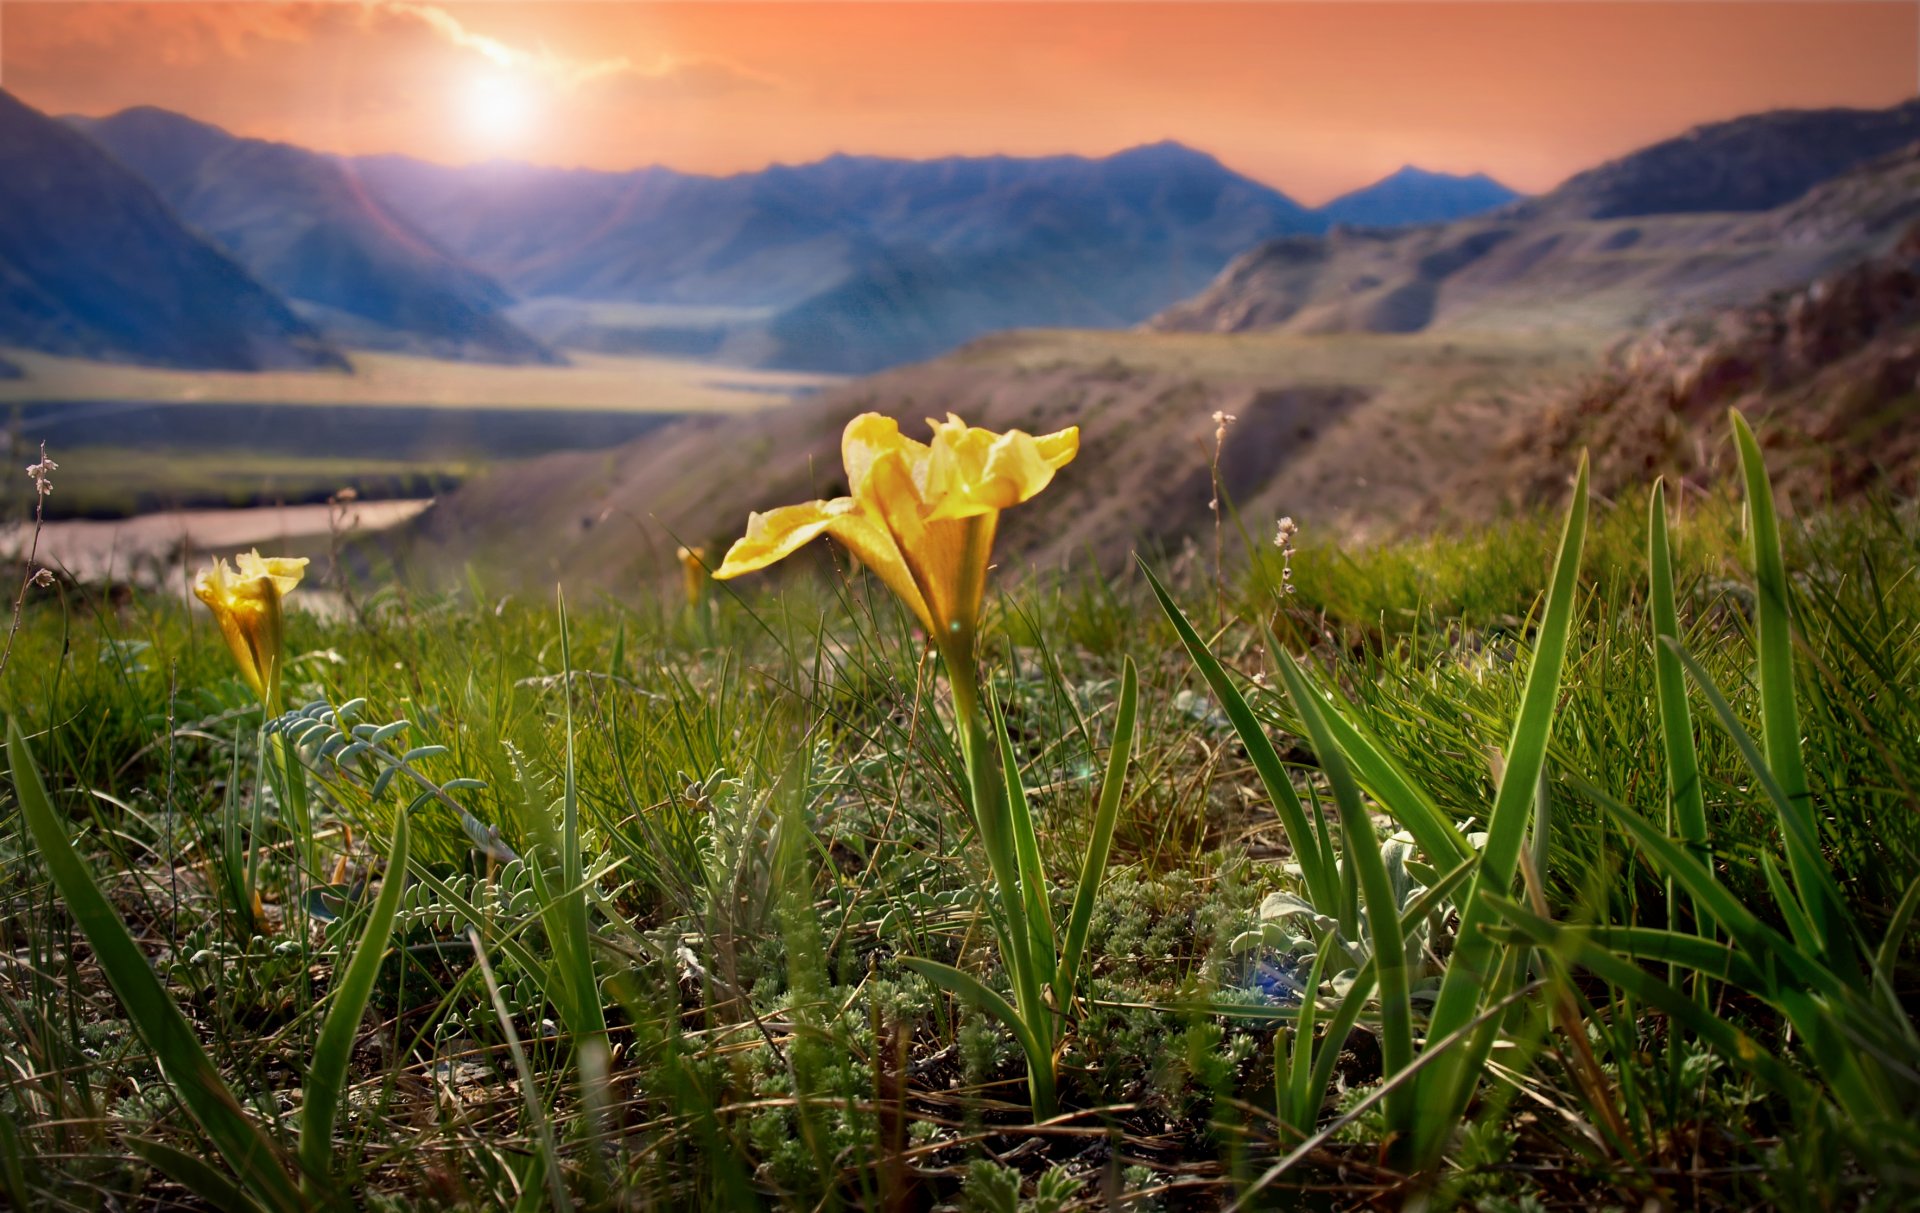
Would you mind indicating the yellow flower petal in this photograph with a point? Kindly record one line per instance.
(973, 471)
(869, 437)
(947, 558)
(247, 608)
(286, 571)
(777, 534)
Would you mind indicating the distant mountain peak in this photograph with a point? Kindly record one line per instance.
(1167, 154)
(1411, 195)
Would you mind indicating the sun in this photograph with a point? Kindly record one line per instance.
(497, 110)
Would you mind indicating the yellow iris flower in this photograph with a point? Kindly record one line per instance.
(921, 515)
(693, 572)
(246, 604)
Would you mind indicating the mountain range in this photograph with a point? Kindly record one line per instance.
(94, 264)
(1720, 214)
(851, 263)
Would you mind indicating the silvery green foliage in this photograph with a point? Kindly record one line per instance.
(361, 751)
(737, 853)
(1290, 926)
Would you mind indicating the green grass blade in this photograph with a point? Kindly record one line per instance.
(1686, 804)
(1779, 712)
(253, 1156)
(983, 998)
(1760, 943)
(1026, 846)
(1361, 850)
(1888, 955)
(1579, 949)
(1310, 1082)
(1301, 1110)
(529, 1082)
(1093, 868)
(1323, 885)
(192, 1173)
(1444, 1091)
(574, 950)
(333, 1050)
(1798, 924)
(1396, 791)
(1810, 875)
(1680, 949)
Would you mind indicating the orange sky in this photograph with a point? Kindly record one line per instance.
(1314, 98)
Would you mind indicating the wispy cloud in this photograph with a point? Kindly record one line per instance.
(666, 76)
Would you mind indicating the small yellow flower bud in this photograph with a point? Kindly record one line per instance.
(693, 572)
(246, 605)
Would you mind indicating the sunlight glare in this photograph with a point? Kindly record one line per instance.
(497, 110)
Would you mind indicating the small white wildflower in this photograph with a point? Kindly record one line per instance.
(42, 577)
(1283, 535)
(40, 471)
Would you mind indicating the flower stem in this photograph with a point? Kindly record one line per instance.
(994, 818)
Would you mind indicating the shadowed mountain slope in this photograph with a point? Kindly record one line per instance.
(305, 226)
(93, 263)
(1752, 163)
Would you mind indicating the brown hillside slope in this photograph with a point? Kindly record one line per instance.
(1349, 432)
(1831, 373)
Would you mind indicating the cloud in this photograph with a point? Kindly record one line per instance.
(668, 77)
(56, 48)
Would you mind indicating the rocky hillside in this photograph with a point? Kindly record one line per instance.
(304, 226)
(1830, 372)
(94, 264)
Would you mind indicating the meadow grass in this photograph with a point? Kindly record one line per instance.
(676, 877)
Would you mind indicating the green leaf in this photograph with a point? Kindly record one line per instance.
(1577, 947)
(1444, 1090)
(1026, 846)
(255, 1158)
(1361, 851)
(1392, 786)
(192, 1173)
(1889, 954)
(333, 1050)
(1684, 799)
(1093, 868)
(1810, 876)
(1780, 715)
(983, 998)
(1323, 884)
